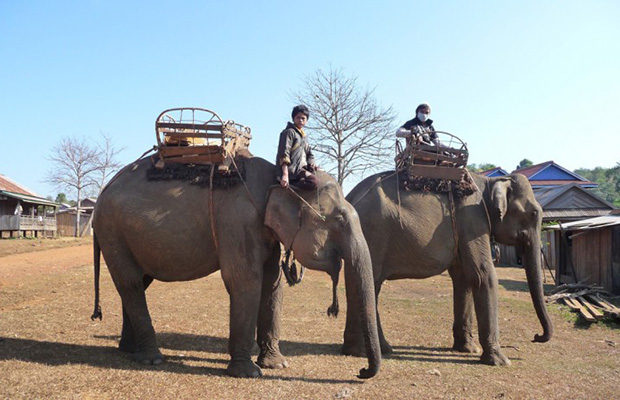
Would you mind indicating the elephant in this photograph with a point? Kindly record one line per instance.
(411, 234)
(174, 230)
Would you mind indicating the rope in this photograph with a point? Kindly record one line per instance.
(243, 181)
(375, 184)
(400, 219)
(211, 213)
(119, 173)
(454, 231)
(321, 216)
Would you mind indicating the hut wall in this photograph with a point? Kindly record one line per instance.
(66, 224)
(591, 257)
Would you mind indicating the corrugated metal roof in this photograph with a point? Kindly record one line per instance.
(497, 171)
(11, 186)
(29, 199)
(551, 174)
(565, 214)
(590, 223)
(573, 194)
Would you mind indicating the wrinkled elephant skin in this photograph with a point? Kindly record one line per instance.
(167, 230)
(424, 246)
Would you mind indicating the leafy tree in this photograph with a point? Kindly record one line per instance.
(608, 180)
(61, 198)
(525, 163)
(353, 133)
(480, 167)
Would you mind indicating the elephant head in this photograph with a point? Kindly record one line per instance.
(516, 221)
(322, 228)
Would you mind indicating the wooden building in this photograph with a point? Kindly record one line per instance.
(66, 218)
(24, 213)
(588, 251)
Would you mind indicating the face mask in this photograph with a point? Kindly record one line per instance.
(422, 117)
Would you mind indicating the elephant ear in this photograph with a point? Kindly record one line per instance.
(499, 197)
(282, 215)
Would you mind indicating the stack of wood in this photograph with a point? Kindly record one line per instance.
(591, 302)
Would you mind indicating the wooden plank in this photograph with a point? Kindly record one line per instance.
(215, 159)
(577, 306)
(610, 306)
(172, 151)
(599, 302)
(435, 156)
(182, 135)
(435, 172)
(434, 149)
(183, 125)
(595, 313)
(569, 302)
(586, 314)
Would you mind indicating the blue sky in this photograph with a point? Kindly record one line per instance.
(514, 79)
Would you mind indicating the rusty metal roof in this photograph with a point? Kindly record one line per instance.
(11, 186)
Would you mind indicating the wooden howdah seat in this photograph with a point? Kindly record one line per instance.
(198, 136)
(446, 161)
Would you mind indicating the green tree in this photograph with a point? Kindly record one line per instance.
(608, 180)
(480, 167)
(525, 163)
(61, 198)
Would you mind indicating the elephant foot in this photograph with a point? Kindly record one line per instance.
(272, 359)
(354, 350)
(148, 357)
(127, 347)
(243, 369)
(466, 347)
(495, 358)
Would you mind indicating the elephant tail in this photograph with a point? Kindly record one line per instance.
(97, 261)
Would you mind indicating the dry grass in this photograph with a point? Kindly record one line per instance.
(50, 348)
(27, 245)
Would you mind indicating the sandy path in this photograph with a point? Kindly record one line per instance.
(19, 267)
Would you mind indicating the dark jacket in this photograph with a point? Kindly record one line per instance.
(294, 150)
(425, 129)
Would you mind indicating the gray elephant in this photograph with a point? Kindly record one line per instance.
(417, 240)
(172, 230)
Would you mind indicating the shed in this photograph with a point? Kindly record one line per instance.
(23, 212)
(67, 218)
(588, 251)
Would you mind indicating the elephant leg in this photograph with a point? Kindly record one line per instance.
(243, 283)
(138, 335)
(462, 329)
(484, 290)
(270, 315)
(386, 348)
(128, 341)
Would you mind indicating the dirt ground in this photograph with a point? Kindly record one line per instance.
(50, 348)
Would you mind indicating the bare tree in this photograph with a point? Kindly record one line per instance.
(79, 165)
(106, 161)
(352, 131)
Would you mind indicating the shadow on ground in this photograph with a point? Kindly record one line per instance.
(56, 354)
(521, 286)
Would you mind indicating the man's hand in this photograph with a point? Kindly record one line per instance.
(284, 180)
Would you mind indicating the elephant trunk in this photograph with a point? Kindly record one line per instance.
(533, 271)
(358, 270)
